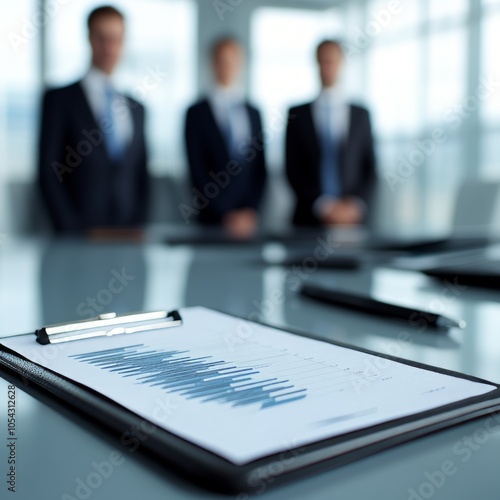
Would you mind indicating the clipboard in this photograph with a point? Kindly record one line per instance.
(208, 468)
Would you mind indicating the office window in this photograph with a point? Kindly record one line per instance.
(355, 47)
(490, 109)
(491, 3)
(416, 76)
(490, 106)
(446, 89)
(283, 70)
(490, 156)
(19, 88)
(387, 19)
(446, 9)
(398, 202)
(444, 174)
(161, 42)
(447, 74)
(395, 76)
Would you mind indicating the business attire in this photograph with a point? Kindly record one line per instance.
(92, 156)
(223, 133)
(329, 155)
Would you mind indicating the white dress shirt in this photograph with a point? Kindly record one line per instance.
(94, 87)
(228, 106)
(332, 101)
(330, 110)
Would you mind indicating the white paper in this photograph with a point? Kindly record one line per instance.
(243, 390)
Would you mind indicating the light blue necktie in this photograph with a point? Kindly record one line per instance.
(115, 144)
(229, 135)
(330, 157)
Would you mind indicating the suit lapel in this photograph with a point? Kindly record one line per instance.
(312, 133)
(85, 108)
(136, 135)
(345, 147)
(312, 138)
(213, 125)
(91, 122)
(254, 125)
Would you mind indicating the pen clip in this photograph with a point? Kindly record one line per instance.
(107, 325)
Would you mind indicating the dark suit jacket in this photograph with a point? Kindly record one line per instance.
(81, 186)
(303, 160)
(208, 156)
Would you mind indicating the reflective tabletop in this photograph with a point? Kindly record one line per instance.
(44, 282)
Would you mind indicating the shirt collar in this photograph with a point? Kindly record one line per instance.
(332, 96)
(223, 96)
(97, 78)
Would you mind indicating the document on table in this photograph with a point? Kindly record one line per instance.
(244, 390)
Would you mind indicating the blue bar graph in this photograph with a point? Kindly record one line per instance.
(201, 377)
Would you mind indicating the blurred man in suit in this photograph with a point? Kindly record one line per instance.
(92, 158)
(225, 148)
(330, 160)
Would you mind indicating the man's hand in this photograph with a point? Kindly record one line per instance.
(241, 224)
(344, 212)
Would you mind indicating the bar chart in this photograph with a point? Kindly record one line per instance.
(196, 377)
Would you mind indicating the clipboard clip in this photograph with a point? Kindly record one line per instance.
(107, 325)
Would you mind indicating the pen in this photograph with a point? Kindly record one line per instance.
(378, 308)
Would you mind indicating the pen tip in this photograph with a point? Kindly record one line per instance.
(451, 323)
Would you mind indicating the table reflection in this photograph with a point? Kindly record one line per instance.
(82, 280)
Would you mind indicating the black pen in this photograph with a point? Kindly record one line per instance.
(378, 308)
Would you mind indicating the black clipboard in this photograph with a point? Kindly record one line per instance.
(214, 472)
